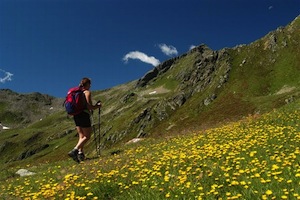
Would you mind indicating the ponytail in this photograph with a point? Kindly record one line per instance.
(84, 82)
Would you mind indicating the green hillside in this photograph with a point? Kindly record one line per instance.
(254, 158)
(202, 92)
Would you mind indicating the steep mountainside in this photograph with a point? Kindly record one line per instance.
(197, 90)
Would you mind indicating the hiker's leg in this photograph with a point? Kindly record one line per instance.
(84, 136)
(80, 137)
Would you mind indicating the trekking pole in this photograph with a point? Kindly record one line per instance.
(95, 135)
(99, 133)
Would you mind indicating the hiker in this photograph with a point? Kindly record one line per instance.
(83, 122)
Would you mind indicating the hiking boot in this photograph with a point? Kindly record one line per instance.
(81, 156)
(74, 155)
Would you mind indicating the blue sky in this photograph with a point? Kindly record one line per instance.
(47, 46)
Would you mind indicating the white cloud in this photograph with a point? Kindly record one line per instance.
(192, 46)
(168, 50)
(142, 57)
(6, 76)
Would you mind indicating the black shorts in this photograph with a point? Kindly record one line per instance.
(83, 120)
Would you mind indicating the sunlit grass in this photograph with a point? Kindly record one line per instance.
(256, 158)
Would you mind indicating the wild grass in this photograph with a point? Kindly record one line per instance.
(255, 158)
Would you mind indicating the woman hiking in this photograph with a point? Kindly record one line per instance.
(83, 122)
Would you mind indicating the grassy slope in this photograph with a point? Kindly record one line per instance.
(254, 85)
(253, 88)
(255, 158)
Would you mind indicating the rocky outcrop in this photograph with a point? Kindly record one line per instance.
(24, 172)
(210, 69)
(128, 97)
(32, 151)
(206, 63)
(160, 69)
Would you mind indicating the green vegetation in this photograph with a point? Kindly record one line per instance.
(216, 125)
(255, 158)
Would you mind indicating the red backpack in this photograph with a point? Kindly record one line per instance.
(75, 101)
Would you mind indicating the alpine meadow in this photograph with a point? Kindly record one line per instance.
(205, 125)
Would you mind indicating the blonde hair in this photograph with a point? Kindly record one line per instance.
(84, 82)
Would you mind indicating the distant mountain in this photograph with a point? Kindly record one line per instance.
(197, 90)
(18, 110)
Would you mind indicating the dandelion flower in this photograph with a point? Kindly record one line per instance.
(269, 192)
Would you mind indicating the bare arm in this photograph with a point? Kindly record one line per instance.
(90, 105)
